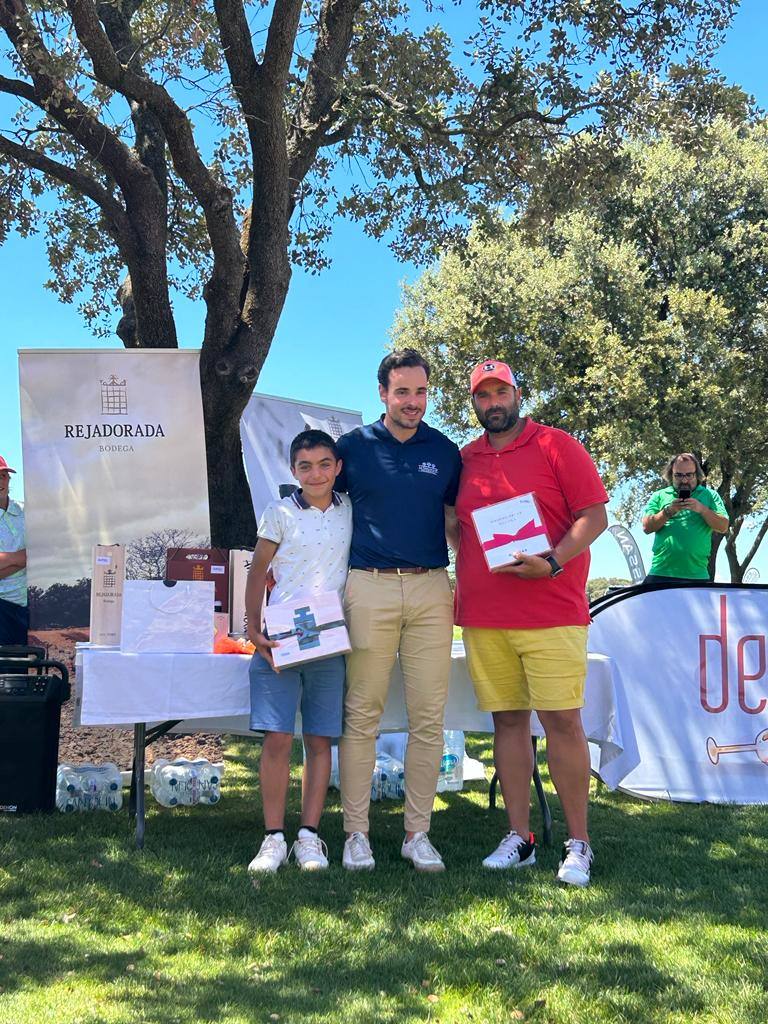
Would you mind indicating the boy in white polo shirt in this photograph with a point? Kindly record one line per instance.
(305, 537)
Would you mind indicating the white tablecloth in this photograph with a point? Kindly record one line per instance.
(210, 693)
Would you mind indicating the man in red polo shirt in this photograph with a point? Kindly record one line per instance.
(525, 625)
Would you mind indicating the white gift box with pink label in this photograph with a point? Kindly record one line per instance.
(509, 526)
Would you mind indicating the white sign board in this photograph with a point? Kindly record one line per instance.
(114, 453)
(267, 428)
(693, 664)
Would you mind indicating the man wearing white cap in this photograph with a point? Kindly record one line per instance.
(14, 615)
(525, 624)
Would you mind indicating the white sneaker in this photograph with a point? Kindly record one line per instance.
(273, 852)
(310, 852)
(512, 852)
(576, 863)
(357, 853)
(422, 853)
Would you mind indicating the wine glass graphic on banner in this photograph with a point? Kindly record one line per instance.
(759, 747)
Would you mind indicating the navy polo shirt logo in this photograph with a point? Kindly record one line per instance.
(428, 467)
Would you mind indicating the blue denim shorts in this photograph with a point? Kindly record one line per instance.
(317, 686)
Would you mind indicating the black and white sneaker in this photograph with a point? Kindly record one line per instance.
(576, 864)
(514, 851)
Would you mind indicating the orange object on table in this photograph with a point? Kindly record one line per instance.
(229, 645)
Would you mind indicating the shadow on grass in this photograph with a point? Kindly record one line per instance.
(387, 974)
(316, 940)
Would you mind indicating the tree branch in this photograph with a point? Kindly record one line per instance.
(53, 95)
(443, 129)
(214, 197)
(110, 72)
(340, 134)
(281, 36)
(322, 88)
(755, 543)
(18, 88)
(150, 139)
(143, 244)
(113, 211)
(237, 48)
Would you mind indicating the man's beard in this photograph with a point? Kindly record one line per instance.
(499, 424)
(402, 423)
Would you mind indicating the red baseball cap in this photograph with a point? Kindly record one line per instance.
(491, 369)
(4, 465)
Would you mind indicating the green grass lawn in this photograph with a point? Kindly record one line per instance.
(672, 929)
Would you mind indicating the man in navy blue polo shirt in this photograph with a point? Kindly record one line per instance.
(400, 474)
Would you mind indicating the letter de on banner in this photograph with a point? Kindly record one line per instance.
(743, 677)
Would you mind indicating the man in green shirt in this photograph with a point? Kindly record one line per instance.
(683, 517)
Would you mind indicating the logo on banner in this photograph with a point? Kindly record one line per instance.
(335, 427)
(114, 397)
(715, 703)
(694, 665)
(114, 402)
(715, 698)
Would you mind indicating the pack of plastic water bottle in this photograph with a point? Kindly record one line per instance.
(89, 787)
(388, 781)
(185, 783)
(451, 777)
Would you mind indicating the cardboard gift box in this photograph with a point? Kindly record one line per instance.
(239, 566)
(515, 524)
(107, 583)
(201, 564)
(307, 629)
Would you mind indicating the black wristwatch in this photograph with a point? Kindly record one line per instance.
(554, 565)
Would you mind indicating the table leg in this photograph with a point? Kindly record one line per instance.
(142, 737)
(546, 814)
(137, 780)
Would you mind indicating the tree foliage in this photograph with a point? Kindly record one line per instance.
(638, 321)
(60, 605)
(191, 144)
(598, 586)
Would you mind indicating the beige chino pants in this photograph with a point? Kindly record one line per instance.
(412, 614)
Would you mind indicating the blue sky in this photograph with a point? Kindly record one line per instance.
(334, 326)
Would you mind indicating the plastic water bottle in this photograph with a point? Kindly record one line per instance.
(67, 788)
(334, 781)
(392, 778)
(210, 783)
(376, 782)
(451, 777)
(388, 780)
(185, 783)
(89, 787)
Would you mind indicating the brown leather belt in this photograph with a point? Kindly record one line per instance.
(399, 572)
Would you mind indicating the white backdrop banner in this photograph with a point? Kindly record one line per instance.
(693, 665)
(267, 428)
(114, 453)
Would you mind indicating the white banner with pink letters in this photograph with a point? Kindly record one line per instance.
(693, 664)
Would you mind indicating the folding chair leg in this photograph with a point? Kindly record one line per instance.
(546, 814)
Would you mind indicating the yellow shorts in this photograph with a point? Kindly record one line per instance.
(527, 669)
